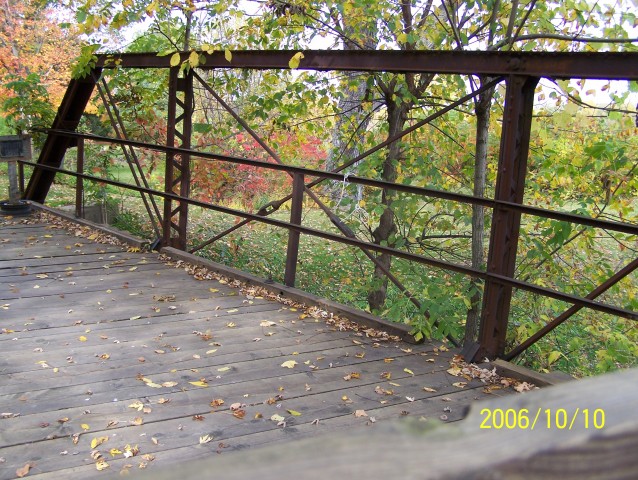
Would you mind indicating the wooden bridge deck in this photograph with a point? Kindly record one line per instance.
(112, 351)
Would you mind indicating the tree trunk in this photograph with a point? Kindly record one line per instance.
(397, 117)
(482, 110)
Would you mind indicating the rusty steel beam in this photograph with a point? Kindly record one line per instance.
(177, 172)
(346, 240)
(510, 187)
(292, 252)
(624, 227)
(594, 65)
(70, 112)
(602, 288)
(129, 153)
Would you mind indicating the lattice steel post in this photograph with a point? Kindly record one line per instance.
(510, 185)
(177, 173)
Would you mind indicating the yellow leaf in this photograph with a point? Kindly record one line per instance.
(193, 59)
(407, 370)
(267, 323)
(199, 384)
(213, 290)
(211, 351)
(223, 369)
(137, 405)
(294, 413)
(85, 427)
(175, 59)
(137, 421)
(115, 451)
(289, 364)
(97, 441)
(277, 418)
(82, 338)
(294, 61)
(101, 465)
(228, 55)
(460, 384)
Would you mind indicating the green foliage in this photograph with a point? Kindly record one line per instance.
(28, 107)
(85, 62)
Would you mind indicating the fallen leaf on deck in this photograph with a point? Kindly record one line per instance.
(199, 384)
(218, 402)
(169, 384)
(137, 421)
(85, 427)
(428, 389)
(267, 323)
(206, 438)
(382, 391)
(163, 400)
(294, 413)
(277, 418)
(101, 465)
(460, 384)
(388, 360)
(97, 441)
(137, 405)
(360, 413)
(223, 369)
(23, 471)
(407, 370)
(136, 317)
(239, 413)
(289, 364)
(82, 338)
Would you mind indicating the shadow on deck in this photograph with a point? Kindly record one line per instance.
(113, 350)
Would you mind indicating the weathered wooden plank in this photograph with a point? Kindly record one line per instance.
(465, 450)
(103, 307)
(222, 425)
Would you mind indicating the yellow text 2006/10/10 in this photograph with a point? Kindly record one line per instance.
(559, 419)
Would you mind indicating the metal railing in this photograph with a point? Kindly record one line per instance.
(520, 74)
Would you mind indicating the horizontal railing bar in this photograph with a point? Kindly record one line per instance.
(600, 65)
(569, 298)
(622, 227)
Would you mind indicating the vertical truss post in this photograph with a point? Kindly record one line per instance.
(298, 187)
(79, 181)
(177, 174)
(510, 185)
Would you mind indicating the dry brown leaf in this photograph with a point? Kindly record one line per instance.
(360, 413)
(23, 471)
(239, 413)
